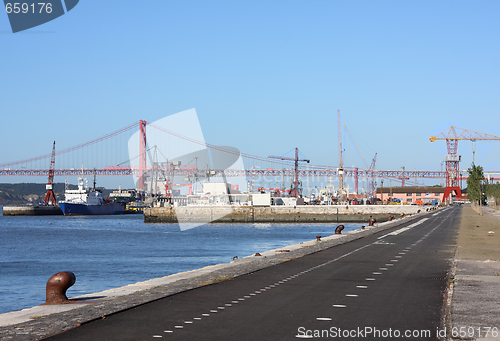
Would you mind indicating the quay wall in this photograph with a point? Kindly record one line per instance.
(277, 214)
(31, 210)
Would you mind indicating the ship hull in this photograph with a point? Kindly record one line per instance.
(84, 209)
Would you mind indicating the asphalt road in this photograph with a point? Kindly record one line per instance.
(386, 286)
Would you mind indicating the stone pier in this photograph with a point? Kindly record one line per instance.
(278, 214)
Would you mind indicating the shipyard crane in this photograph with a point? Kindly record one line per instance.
(295, 190)
(371, 186)
(370, 168)
(452, 159)
(50, 184)
(342, 193)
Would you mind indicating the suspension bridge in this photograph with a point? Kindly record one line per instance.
(109, 155)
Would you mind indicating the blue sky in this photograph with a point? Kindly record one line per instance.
(263, 76)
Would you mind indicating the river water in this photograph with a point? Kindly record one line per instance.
(106, 252)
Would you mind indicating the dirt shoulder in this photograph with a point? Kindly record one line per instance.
(475, 292)
(475, 241)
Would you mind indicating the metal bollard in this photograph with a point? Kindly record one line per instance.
(339, 229)
(318, 238)
(390, 218)
(55, 292)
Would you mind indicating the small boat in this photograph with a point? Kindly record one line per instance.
(88, 201)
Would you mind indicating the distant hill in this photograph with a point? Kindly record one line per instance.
(33, 193)
(28, 193)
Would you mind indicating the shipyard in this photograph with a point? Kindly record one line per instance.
(250, 170)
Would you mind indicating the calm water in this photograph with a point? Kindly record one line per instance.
(111, 251)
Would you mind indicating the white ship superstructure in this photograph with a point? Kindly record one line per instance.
(83, 195)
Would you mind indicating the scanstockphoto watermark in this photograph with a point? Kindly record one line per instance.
(26, 14)
(368, 332)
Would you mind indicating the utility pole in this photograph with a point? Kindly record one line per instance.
(382, 191)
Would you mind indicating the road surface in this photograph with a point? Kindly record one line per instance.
(386, 286)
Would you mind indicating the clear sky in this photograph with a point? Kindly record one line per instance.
(263, 76)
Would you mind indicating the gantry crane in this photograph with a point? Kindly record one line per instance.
(50, 184)
(452, 159)
(295, 190)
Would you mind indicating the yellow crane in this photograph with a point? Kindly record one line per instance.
(452, 159)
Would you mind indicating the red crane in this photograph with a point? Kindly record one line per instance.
(50, 192)
(295, 190)
(452, 159)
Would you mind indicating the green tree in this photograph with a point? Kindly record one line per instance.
(474, 183)
(493, 190)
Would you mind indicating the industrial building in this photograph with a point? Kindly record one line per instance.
(409, 195)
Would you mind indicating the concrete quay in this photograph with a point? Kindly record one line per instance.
(42, 321)
(31, 210)
(277, 214)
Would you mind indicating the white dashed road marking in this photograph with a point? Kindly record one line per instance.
(317, 267)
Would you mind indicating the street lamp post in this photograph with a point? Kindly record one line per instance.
(382, 191)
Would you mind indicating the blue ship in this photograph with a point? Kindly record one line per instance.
(88, 201)
(86, 209)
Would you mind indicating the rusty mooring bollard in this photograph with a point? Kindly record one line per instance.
(372, 221)
(362, 227)
(402, 215)
(57, 286)
(339, 229)
(390, 218)
(318, 238)
(418, 211)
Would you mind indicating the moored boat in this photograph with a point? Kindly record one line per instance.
(88, 201)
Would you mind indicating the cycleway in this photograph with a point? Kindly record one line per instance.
(385, 286)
